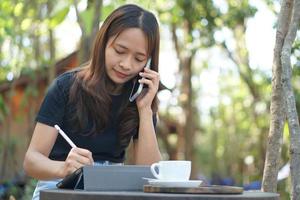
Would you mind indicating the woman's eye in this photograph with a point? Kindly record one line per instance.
(118, 51)
(139, 60)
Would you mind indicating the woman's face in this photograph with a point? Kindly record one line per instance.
(126, 55)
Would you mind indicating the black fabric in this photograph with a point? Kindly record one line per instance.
(55, 109)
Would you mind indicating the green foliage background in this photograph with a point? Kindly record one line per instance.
(233, 130)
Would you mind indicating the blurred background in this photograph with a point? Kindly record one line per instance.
(215, 66)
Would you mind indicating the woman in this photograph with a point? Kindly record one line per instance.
(91, 103)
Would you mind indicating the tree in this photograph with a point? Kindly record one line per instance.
(24, 27)
(283, 106)
(191, 24)
(236, 20)
(88, 21)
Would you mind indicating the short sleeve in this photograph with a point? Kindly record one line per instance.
(136, 135)
(53, 106)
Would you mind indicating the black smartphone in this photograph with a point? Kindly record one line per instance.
(138, 87)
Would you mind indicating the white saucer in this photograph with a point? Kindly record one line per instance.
(169, 183)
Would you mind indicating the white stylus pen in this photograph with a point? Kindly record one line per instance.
(62, 133)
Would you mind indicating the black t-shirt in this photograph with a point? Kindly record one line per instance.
(56, 109)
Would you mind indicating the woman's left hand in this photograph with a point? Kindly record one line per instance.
(151, 79)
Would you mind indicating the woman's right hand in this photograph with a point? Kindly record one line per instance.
(77, 158)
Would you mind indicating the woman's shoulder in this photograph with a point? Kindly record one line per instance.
(66, 79)
(66, 76)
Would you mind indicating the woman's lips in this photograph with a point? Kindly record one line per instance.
(120, 75)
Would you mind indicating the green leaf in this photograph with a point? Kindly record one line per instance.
(18, 9)
(25, 24)
(58, 17)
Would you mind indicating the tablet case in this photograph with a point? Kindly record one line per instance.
(72, 181)
(107, 178)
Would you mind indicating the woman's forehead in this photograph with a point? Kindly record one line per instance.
(133, 39)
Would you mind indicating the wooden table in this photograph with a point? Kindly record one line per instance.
(59, 194)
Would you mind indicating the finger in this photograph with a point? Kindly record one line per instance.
(147, 82)
(153, 76)
(80, 159)
(71, 166)
(85, 153)
(77, 164)
(150, 70)
(83, 160)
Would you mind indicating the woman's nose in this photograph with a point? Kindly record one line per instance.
(126, 63)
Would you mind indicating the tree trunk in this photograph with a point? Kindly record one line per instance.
(96, 20)
(37, 49)
(52, 69)
(6, 157)
(189, 127)
(269, 183)
(164, 133)
(290, 105)
(87, 39)
(185, 57)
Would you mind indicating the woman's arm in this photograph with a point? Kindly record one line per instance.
(38, 165)
(146, 147)
(36, 162)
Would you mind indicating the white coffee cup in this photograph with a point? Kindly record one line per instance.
(174, 170)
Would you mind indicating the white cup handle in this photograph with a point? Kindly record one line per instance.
(153, 167)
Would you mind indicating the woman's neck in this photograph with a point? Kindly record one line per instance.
(113, 88)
